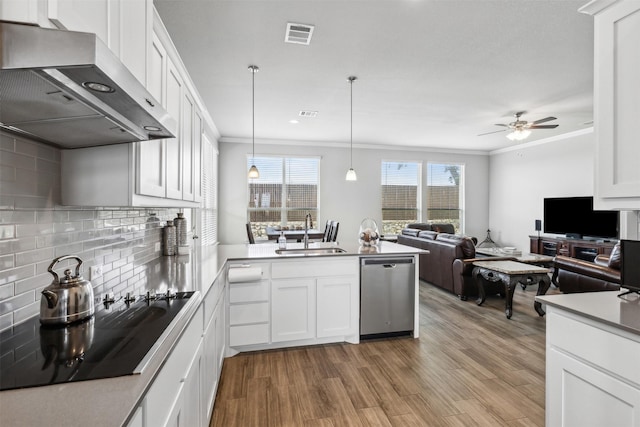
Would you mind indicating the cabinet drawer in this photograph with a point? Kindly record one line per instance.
(615, 353)
(248, 313)
(249, 292)
(248, 334)
(337, 266)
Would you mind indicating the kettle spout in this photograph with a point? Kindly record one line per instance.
(52, 298)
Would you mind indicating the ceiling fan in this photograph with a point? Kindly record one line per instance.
(521, 129)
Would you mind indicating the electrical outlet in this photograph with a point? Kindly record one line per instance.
(156, 248)
(95, 272)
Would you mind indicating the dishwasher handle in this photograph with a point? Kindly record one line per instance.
(386, 262)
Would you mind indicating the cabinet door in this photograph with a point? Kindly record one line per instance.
(617, 62)
(337, 306)
(192, 400)
(581, 395)
(25, 11)
(292, 309)
(188, 106)
(81, 15)
(151, 155)
(174, 145)
(133, 29)
(176, 415)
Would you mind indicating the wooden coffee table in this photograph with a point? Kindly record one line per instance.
(510, 273)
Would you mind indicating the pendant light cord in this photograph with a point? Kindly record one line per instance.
(351, 79)
(253, 113)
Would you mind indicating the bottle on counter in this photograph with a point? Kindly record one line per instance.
(181, 229)
(169, 239)
(282, 241)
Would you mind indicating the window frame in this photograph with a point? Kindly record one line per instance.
(282, 208)
(461, 193)
(418, 208)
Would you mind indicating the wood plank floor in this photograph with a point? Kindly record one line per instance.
(470, 367)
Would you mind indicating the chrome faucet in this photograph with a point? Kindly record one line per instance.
(306, 229)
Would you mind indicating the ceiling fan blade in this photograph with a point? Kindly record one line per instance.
(488, 133)
(546, 119)
(543, 127)
(502, 124)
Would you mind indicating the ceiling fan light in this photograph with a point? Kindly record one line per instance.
(519, 134)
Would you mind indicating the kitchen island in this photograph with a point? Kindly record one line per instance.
(592, 356)
(154, 397)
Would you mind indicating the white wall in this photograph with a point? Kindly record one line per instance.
(521, 178)
(347, 202)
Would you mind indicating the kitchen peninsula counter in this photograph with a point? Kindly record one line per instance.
(112, 401)
(592, 353)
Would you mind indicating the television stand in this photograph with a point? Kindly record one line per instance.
(575, 248)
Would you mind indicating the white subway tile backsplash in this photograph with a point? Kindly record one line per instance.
(35, 229)
(13, 274)
(7, 231)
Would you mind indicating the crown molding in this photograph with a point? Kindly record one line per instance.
(538, 142)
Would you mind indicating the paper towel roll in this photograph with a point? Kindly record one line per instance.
(245, 274)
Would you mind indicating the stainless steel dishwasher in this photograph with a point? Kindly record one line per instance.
(387, 296)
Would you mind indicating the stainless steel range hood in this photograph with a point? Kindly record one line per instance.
(68, 89)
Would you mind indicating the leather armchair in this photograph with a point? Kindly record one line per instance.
(465, 285)
(572, 275)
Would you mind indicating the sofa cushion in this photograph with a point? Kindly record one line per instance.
(465, 243)
(443, 228)
(411, 231)
(430, 235)
(614, 258)
(419, 226)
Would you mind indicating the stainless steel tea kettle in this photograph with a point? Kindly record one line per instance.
(68, 299)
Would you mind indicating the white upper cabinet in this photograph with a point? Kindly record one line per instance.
(174, 145)
(617, 105)
(148, 173)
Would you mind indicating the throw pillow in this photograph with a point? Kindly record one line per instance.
(614, 258)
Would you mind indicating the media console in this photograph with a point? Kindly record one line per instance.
(575, 248)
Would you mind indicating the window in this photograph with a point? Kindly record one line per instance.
(445, 191)
(209, 206)
(400, 195)
(285, 192)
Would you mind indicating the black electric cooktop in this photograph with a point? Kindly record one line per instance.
(110, 344)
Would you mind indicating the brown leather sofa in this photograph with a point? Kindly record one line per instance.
(444, 265)
(572, 275)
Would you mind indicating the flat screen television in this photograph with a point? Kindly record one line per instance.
(575, 217)
(629, 265)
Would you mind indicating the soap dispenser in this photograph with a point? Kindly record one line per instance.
(282, 241)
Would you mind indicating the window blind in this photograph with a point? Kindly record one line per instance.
(285, 192)
(445, 184)
(209, 206)
(400, 190)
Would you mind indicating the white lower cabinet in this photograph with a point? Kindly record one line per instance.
(213, 356)
(592, 378)
(336, 297)
(293, 314)
(165, 398)
(297, 302)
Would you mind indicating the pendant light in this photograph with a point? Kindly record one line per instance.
(351, 174)
(253, 171)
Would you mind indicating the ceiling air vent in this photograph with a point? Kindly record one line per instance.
(298, 33)
(308, 113)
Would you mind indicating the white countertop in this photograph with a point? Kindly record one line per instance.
(109, 402)
(603, 307)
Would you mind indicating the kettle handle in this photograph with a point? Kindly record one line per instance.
(62, 258)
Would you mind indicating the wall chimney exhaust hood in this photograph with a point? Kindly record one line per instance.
(68, 89)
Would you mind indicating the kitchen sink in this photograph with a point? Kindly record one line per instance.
(310, 251)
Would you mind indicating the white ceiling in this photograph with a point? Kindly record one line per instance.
(431, 73)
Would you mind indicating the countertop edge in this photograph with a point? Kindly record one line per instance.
(609, 310)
